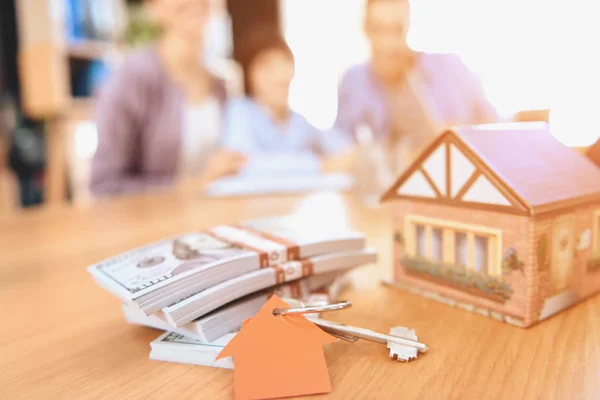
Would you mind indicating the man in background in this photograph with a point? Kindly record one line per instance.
(406, 98)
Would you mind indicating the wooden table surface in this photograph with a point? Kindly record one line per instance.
(63, 337)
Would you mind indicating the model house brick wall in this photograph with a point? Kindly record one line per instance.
(533, 239)
(516, 233)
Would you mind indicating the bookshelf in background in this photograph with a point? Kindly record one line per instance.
(77, 42)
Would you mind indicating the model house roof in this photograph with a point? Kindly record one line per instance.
(521, 168)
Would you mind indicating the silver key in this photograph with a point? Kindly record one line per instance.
(353, 332)
(401, 352)
(401, 342)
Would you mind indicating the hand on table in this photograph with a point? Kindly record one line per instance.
(222, 163)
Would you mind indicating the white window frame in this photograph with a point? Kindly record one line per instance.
(449, 229)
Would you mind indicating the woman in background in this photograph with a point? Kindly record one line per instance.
(274, 138)
(159, 117)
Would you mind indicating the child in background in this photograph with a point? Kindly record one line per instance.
(274, 138)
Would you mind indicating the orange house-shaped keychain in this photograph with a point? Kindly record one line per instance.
(278, 356)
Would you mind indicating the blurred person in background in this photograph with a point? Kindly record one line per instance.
(406, 98)
(159, 117)
(262, 126)
(7, 119)
(7, 125)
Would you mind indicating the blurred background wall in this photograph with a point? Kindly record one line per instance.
(531, 55)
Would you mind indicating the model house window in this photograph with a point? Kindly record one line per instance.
(437, 243)
(420, 237)
(474, 247)
(461, 249)
(481, 253)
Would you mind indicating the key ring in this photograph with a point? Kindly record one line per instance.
(313, 309)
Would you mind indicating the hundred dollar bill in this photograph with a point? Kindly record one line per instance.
(160, 274)
(216, 296)
(175, 347)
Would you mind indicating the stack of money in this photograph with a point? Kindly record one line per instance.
(229, 318)
(204, 339)
(202, 285)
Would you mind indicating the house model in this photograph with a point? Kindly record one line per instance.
(277, 356)
(502, 220)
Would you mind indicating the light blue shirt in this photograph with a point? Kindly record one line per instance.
(290, 148)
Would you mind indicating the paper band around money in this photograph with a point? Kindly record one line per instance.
(341, 305)
(263, 256)
(293, 250)
(293, 270)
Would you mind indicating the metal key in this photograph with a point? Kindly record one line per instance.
(401, 352)
(352, 333)
(347, 331)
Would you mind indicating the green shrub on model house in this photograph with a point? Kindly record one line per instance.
(459, 277)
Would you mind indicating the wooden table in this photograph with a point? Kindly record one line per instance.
(64, 337)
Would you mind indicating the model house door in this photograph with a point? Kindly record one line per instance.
(562, 252)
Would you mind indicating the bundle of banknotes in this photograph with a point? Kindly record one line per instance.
(201, 286)
(203, 339)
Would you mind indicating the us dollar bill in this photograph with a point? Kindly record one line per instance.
(159, 264)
